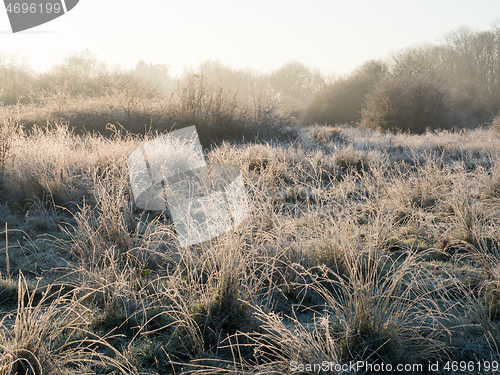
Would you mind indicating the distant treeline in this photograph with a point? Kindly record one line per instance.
(82, 74)
(453, 83)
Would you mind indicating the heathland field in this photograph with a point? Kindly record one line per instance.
(359, 246)
(371, 243)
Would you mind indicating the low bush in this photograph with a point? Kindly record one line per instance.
(327, 134)
(341, 101)
(407, 103)
(221, 113)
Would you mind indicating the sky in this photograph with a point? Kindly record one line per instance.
(332, 36)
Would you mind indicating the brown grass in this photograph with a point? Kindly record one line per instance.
(366, 249)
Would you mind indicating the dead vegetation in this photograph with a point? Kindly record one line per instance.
(368, 248)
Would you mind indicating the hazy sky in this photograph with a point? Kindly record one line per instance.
(333, 36)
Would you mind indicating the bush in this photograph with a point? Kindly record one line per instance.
(342, 100)
(402, 103)
(469, 100)
(326, 134)
(293, 83)
(16, 80)
(221, 114)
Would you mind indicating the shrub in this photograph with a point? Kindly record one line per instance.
(342, 100)
(221, 114)
(327, 134)
(403, 103)
(80, 73)
(470, 100)
(293, 84)
(16, 79)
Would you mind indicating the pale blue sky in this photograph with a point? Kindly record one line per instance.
(333, 36)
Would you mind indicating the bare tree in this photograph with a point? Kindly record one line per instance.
(16, 79)
(295, 83)
(156, 74)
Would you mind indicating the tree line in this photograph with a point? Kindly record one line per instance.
(455, 82)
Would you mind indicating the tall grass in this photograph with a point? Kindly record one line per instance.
(220, 111)
(359, 245)
(49, 333)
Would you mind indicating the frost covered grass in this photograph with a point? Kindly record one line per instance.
(359, 245)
